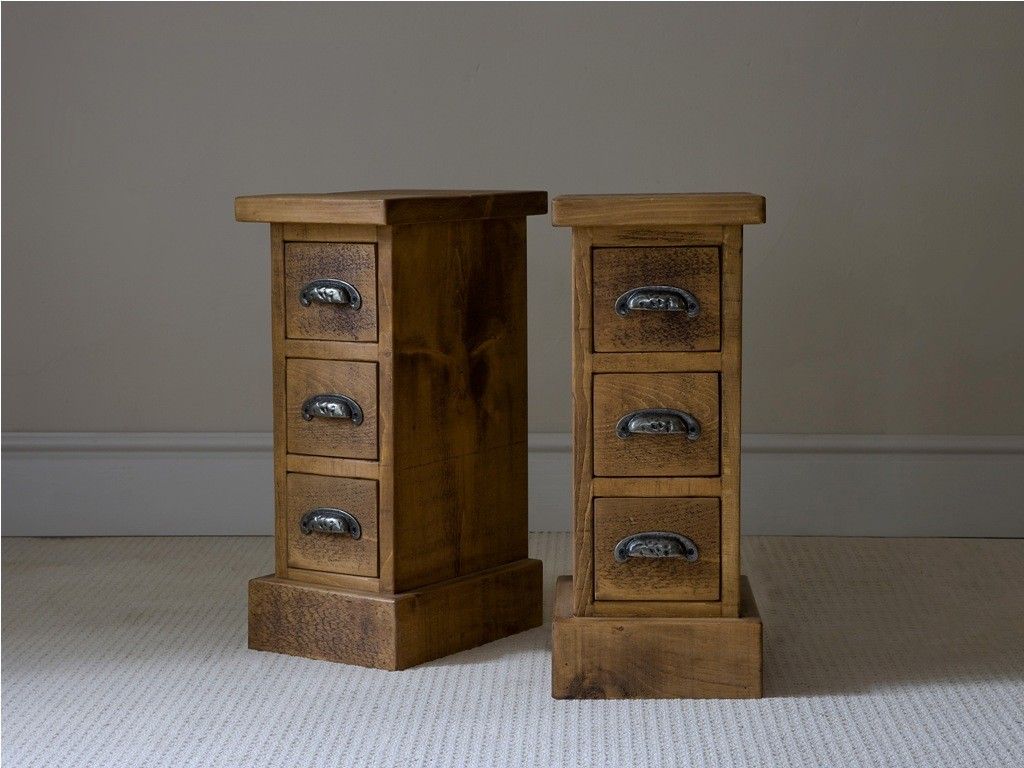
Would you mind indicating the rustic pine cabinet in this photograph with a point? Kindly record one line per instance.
(399, 362)
(656, 606)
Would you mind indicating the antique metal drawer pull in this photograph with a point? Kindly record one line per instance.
(330, 520)
(332, 407)
(331, 291)
(658, 298)
(656, 544)
(658, 421)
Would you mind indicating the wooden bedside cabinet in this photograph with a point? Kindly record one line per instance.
(656, 606)
(399, 355)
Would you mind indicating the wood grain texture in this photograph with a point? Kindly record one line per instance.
(389, 631)
(442, 383)
(469, 611)
(732, 326)
(660, 637)
(390, 206)
(356, 264)
(341, 580)
(658, 608)
(330, 233)
(582, 422)
(657, 486)
(653, 658)
(701, 209)
(331, 350)
(386, 407)
(655, 362)
(655, 236)
(325, 436)
(327, 551)
(329, 465)
(617, 270)
(279, 399)
(459, 398)
(321, 622)
(656, 578)
(647, 455)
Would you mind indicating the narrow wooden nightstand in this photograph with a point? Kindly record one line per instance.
(399, 351)
(656, 606)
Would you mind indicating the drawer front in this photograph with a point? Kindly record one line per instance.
(332, 408)
(656, 425)
(657, 549)
(340, 515)
(657, 299)
(331, 291)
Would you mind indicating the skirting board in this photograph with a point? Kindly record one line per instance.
(152, 484)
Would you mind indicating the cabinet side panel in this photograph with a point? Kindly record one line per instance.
(732, 321)
(582, 431)
(279, 403)
(459, 391)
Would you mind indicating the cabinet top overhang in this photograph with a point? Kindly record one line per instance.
(390, 206)
(696, 209)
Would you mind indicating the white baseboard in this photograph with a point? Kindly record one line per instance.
(103, 484)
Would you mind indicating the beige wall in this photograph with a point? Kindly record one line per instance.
(883, 296)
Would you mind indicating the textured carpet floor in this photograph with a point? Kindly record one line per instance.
(131, 652)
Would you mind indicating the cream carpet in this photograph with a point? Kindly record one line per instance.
(131, 652)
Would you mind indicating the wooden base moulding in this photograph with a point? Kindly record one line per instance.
(394, 631)
(655, 658)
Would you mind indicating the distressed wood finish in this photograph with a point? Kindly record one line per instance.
(393, 631)
(657, 486)
(656, 579)
(616, 395)
(663, 482)
(436, 473)
(390, 206)
(331, 350)
(654, 236)
(582, 420)
(326, 436)
(654, 658)
(386, 408)
(655, 362)
(732, 292)
(330, 233)
(673, 210)
(341, 580)
(356, 264)
(331, 552)
(280, 400)
(617, 270)
(658, 608)
(459, 398)
(328, 465)
(287, 616)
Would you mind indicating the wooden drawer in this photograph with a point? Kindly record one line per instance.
(660, 441)
(316, 414)
(683, 531)
(317, 305)
(326, 501)
(629, 319)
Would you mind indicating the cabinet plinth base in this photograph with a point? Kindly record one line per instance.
(394, 631)
(654, 658)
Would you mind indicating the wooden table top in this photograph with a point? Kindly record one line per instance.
(390, 206)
